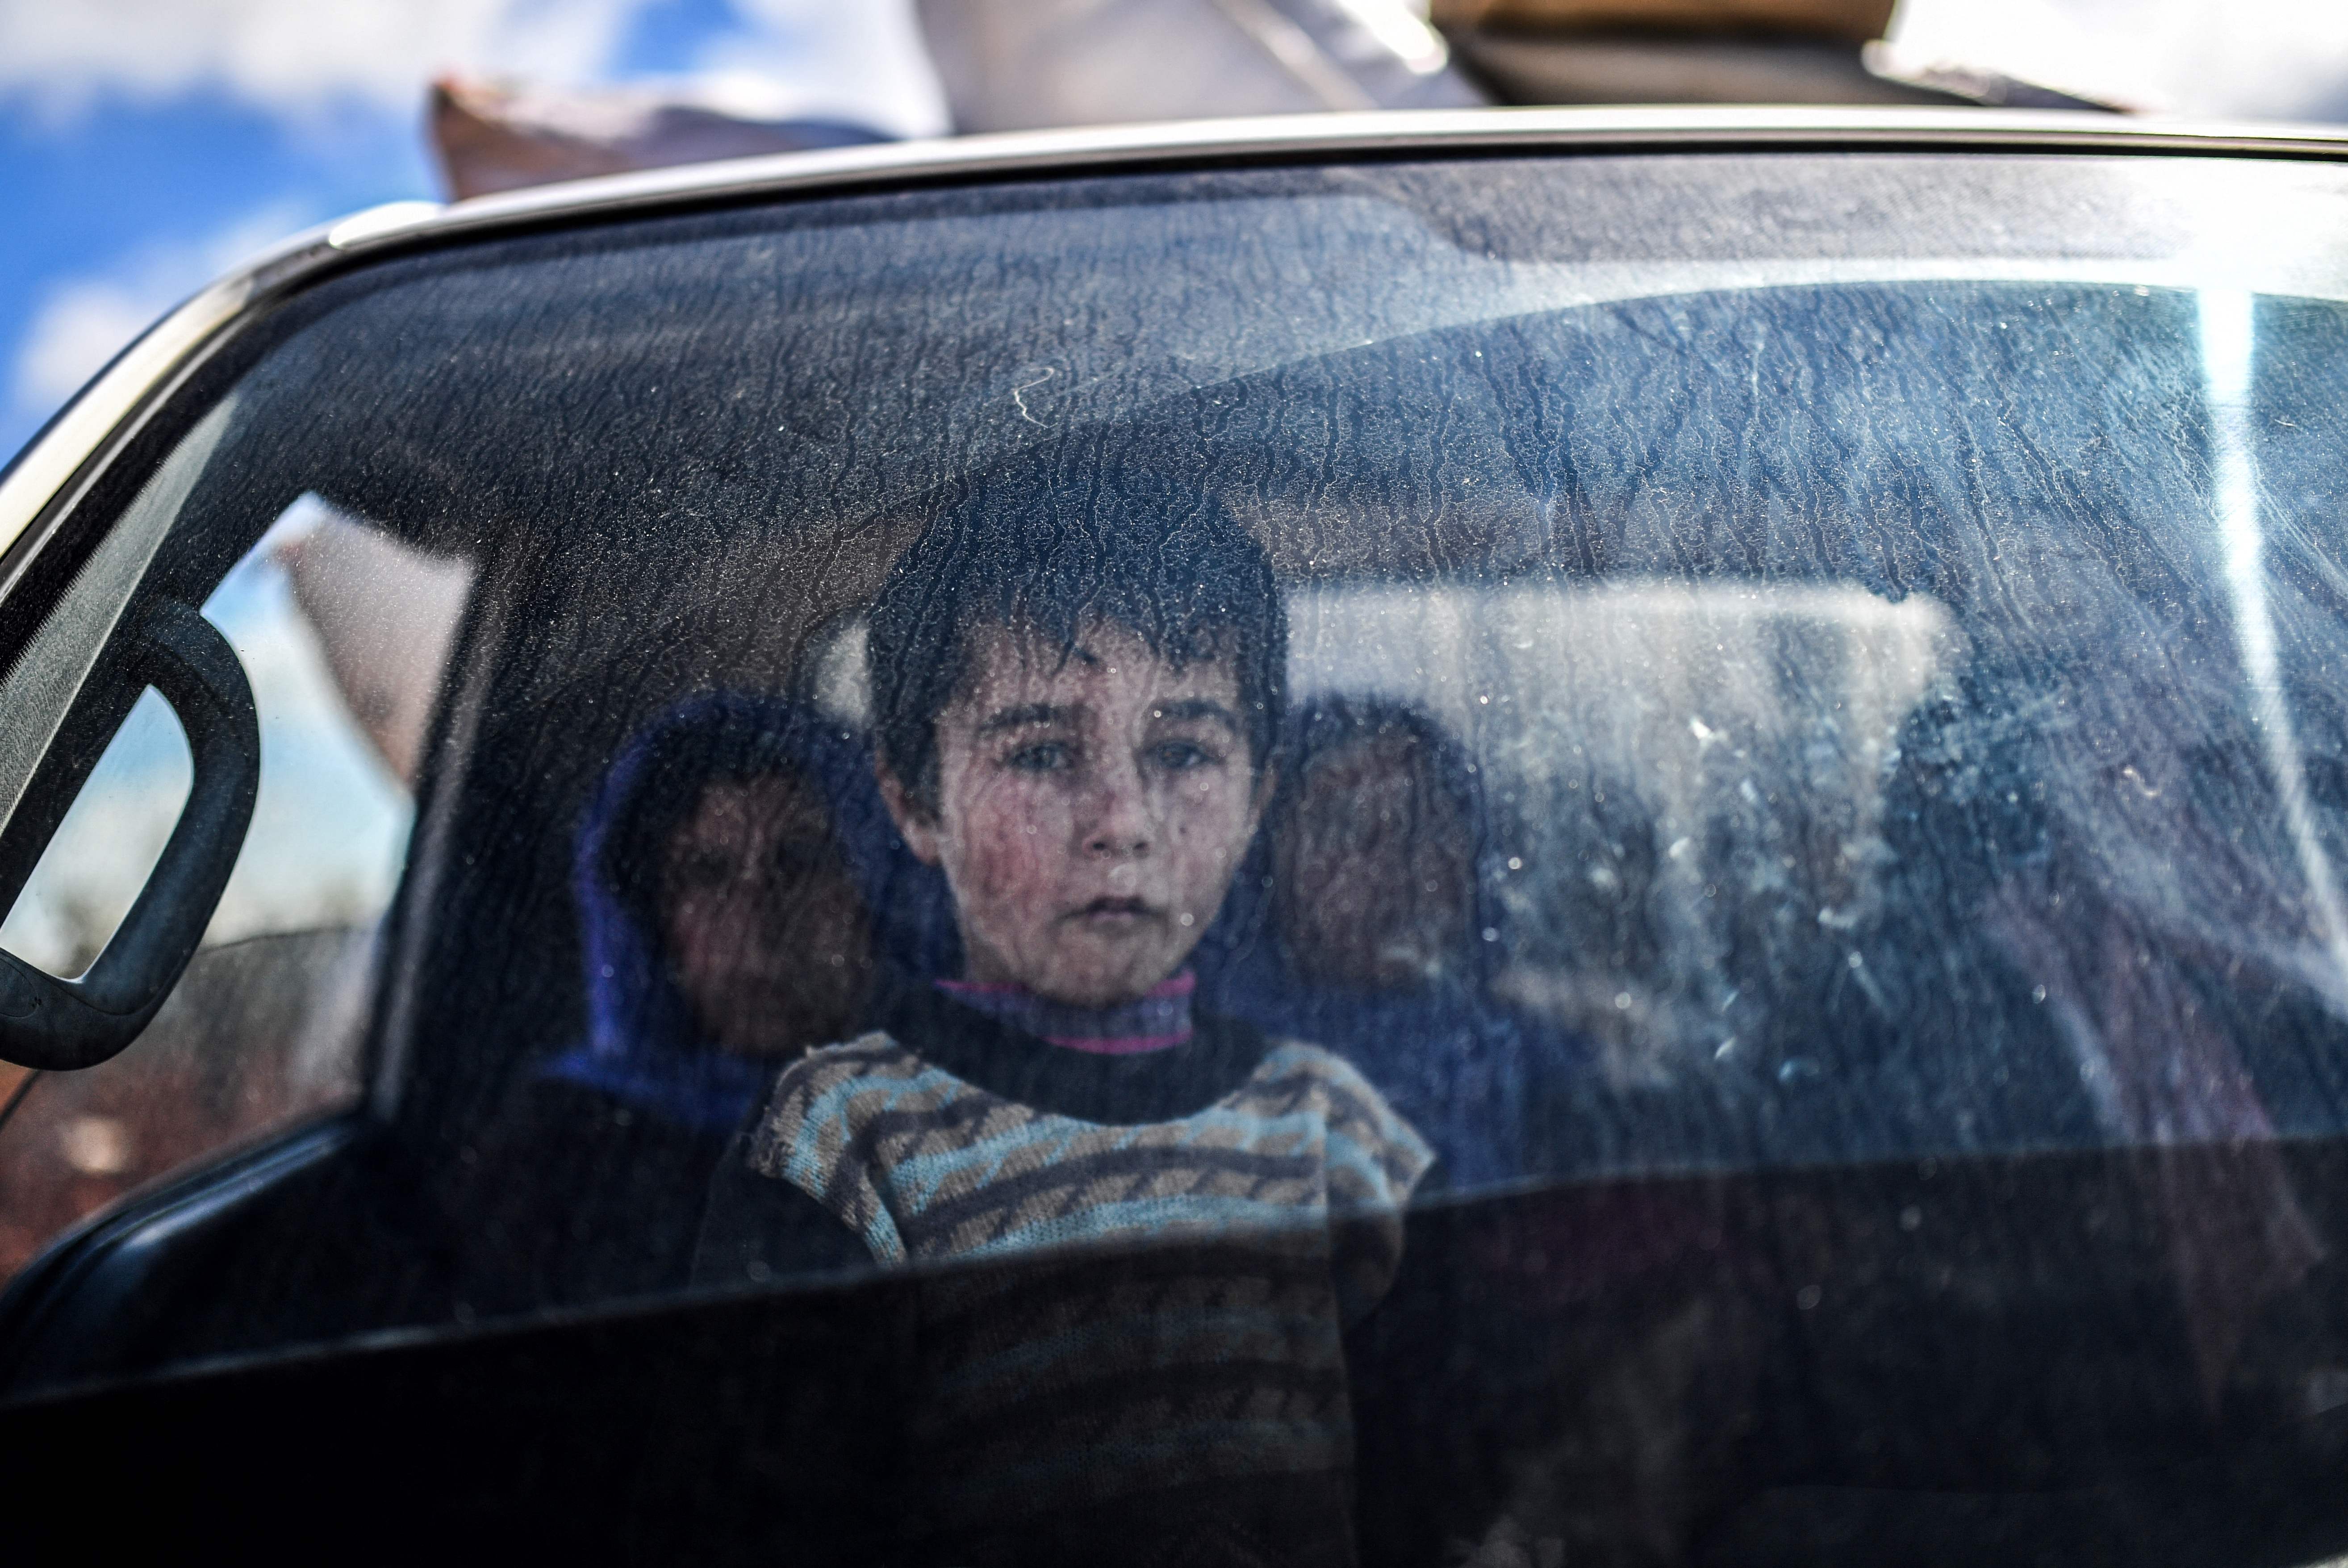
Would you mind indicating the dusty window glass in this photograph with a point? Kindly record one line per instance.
(342, 635)
(1602, 671)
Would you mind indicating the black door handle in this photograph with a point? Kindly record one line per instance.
(59, 1025)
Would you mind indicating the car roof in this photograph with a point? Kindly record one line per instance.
(40, 484)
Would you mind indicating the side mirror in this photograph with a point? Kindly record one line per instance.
(61, 1025)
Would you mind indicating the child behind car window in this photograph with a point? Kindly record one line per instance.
(1077, 695)
(725, 875)
(1378, 933)
(1375, 860)
(724, 919)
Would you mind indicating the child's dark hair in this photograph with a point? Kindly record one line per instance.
(1051, 555)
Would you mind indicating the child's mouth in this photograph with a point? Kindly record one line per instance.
(1114, 912)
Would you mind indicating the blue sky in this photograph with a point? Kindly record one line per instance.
(146, 145)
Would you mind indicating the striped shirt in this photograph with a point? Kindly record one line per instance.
(1178, 1240)
(923, 1165)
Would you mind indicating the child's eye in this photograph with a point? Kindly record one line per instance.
(1180, 756)
(1043, 757)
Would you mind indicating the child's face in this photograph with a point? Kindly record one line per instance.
(1090, 812)
(767, 933)
(1376, 871)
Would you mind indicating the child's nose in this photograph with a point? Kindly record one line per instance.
(1119, 823)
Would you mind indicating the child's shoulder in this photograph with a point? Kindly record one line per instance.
(875, 1052)
(825, 1095)
(1288, 1061)
(1364, 1132)
(848, 1072)
(830, 1081)
(1289, 1065)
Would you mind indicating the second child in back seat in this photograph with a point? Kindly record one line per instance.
(1077, 697)
(1383, 937)
(728, 876)
(725, 903)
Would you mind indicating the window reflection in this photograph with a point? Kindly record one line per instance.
(1686, 782)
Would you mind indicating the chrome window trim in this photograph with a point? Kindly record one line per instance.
(52, 473)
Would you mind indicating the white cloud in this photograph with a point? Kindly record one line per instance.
(860, 60)
(294, 57)
(298, 59)
(863, 62)
(78, 328)
(2253, 58)
(79, 322)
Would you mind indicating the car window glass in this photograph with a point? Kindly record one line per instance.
(41, 681)
(928, 707)
(267, 1024)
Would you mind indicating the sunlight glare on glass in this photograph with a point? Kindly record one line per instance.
(2229, 346)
